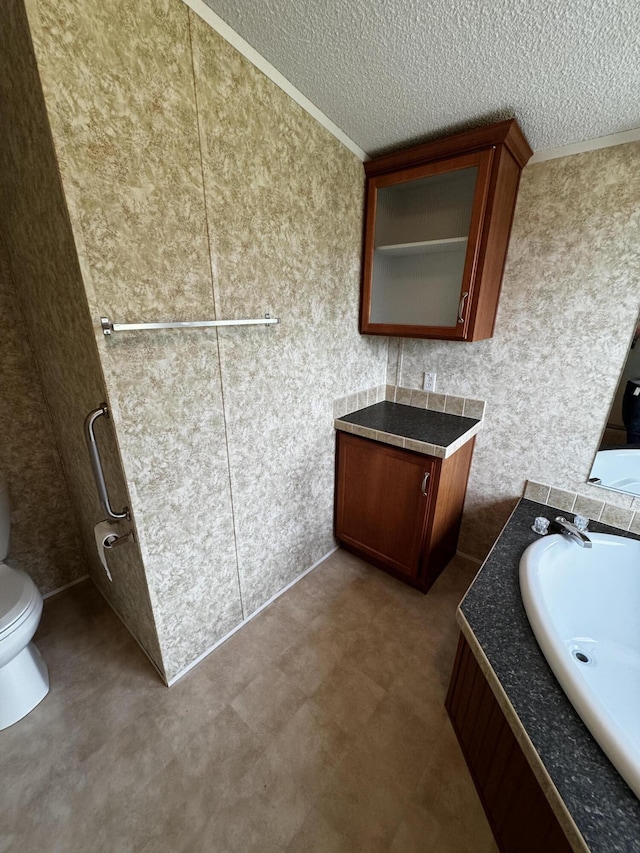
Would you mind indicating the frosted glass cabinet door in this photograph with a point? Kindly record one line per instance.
(437, 225)
(426, 224)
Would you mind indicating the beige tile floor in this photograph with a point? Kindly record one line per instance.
(320, 726)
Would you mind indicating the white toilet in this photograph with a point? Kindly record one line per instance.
(24, 680)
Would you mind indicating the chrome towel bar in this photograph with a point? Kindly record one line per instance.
(96, 464)
(108, 327)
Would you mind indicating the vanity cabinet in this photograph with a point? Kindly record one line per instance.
(397, 509)
(437, 225)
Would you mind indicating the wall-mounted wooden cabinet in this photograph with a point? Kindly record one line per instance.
(398, 509)
(438, 219)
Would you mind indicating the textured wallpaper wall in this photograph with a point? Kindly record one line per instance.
(569, 302)
(45, 539)
(44, 266)
(284, 212)
(120, 98)
(197, 189)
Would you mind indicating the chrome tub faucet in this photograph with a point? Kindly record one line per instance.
(568, 529)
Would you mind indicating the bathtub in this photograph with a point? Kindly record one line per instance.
(583, 605)
(618, 469)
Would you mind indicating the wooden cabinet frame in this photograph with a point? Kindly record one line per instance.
(383, 515)
(500, 151)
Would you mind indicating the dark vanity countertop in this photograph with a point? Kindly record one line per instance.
(603, 808)
(434, 433)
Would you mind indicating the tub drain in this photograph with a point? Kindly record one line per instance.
(579, 655)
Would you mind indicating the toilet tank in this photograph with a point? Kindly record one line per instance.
(5, 518)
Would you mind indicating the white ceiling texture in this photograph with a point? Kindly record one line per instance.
(392, 72)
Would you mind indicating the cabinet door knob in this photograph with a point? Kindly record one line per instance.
(423, 487)
(461, 307)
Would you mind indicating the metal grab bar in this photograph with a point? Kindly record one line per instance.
(108, 327)
(96, 464)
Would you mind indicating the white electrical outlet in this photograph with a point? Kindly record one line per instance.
(429, 383)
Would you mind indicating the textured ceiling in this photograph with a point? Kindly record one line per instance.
(391, 72)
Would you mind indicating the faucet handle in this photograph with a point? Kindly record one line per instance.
(581, 522)
(540, 525)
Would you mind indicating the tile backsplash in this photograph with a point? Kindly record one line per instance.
(358, 400)
(573, 502)
(449, 403)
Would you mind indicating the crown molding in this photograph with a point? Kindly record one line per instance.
(587, 145)
(215, 22)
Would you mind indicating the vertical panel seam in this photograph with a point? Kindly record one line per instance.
(216, 312)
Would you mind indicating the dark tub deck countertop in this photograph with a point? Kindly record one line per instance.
(492, 617)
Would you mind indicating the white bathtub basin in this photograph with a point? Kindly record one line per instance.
(585, 603)
(618, 469)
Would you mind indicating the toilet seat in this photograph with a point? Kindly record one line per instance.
(18, 598)
(24, 679)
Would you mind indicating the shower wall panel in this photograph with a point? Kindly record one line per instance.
(118, 84)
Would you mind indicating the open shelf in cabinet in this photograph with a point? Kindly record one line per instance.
(425, 247)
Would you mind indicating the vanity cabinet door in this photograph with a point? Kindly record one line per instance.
(399, 510)
(382, 502)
